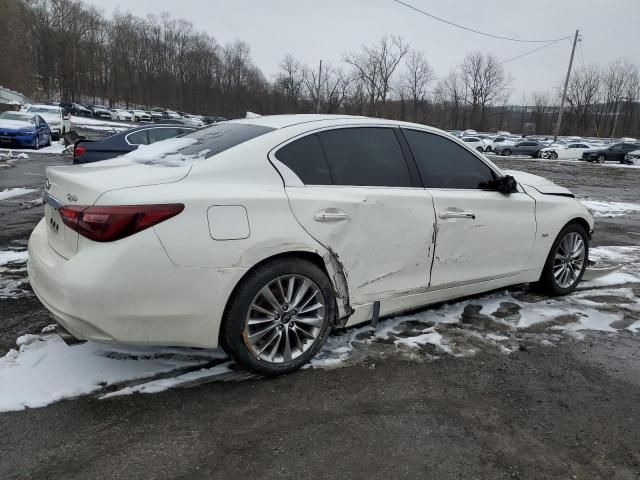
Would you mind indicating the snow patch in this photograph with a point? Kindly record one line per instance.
(15, 192)
(602, 208)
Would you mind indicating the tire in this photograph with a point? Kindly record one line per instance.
(480, 149)
(48, 144)
(506, 152)
(36, 145)
(601, 158)
(553, 156)
(548, 282)
(280, 319)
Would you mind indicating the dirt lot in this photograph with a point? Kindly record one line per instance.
(541, 402)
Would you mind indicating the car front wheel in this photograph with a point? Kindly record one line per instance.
(566, 262)
(506, 152)
(601, 158)
(279, 316)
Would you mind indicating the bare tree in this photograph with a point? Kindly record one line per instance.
(540, 102)
(583, 93)
(416, 77)
(486, 84)
(374, 66)
(290, 80)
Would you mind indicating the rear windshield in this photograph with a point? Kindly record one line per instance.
(222, 136)
(201, 144)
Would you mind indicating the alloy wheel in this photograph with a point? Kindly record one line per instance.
(601, 158)
(569, 260)
(284, 319)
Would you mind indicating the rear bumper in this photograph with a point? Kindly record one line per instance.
(129, 292)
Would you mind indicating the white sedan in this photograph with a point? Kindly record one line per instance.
(564, 152)
(475, 143)
(120, 114)
(59, 122)
(261, 235)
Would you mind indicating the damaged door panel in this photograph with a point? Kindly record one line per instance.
(481, 235)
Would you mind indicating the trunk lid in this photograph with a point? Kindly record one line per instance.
(83, 185)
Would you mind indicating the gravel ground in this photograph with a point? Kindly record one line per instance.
(564, 411)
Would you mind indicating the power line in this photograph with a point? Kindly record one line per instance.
(476, 31)
(531, 51)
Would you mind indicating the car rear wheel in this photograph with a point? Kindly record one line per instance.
(566, 262)
(553, 156)
(279, 316)
(36, 142)
(601, 158)
(506, 152)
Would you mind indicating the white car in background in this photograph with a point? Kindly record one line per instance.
(261, 235)
(140, 115)
(120, 114)
(632, 158)
(193, 120)
(475, 143)
(59, 122)
(564, 152)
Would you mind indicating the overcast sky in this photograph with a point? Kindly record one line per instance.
(325, 29)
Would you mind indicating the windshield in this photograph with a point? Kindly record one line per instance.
(17, 116)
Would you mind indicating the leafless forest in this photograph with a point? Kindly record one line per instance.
(66, 50)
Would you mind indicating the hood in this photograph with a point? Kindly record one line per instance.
(541, 184)
(16, 125)
(50, 117)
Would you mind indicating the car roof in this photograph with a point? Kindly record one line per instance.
(319, 120)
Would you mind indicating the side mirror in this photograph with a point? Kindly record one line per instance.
(506, 184)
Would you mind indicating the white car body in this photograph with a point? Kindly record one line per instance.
(572, 150)
(475, 143)
(193, 121)
(632, 158)
(404, 247)
(140, 116)
(58, 122)
(119, 114)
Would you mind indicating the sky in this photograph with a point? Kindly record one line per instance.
(326, 29)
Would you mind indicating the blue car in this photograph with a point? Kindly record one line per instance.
(19, 130)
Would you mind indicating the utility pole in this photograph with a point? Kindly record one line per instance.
(566, 83)
(319, 87)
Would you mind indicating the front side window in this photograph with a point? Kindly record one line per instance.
(306, 159)
(445, 164)
(365, 156)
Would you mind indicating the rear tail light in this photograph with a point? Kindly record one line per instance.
(79, 150)
(109, 223)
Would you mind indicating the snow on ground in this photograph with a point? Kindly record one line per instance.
(89, 123)
(55, 148)
(13, 274)
(43, 369)
(14, 192)
(603, 208)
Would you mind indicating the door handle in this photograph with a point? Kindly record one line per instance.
(456, 214)
(330, 215)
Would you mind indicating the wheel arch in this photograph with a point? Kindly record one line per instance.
(328, 263)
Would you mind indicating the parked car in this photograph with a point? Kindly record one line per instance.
(59, 122)
(19, 129)
(209, 119)
(613, 153)
(140, 116)
(563, 152)
(120, 114)
(75, 109)
(474, 142)
(261, 235)
(632, 158)
(87, 151)
(193, 120)
(500, 140)
(523, 147)
(155, 115)
(100, 111)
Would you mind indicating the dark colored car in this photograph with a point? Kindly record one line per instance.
(87, 151)
(613, 153)
(75, 109)
(524, 147)
(208, 119)
(100, 111)
(18, 129)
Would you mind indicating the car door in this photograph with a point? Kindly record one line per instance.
(352, 190)
(481, 234)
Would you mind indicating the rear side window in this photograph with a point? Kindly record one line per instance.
(157, 134)
(222, 136)
(138, 138)
(306, 159)
(367, 156)
(445, 164)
